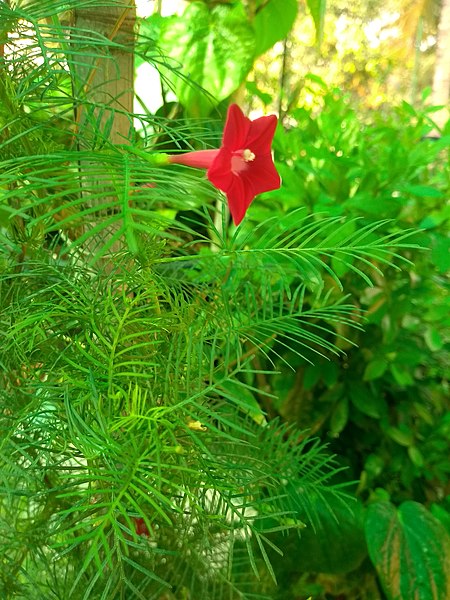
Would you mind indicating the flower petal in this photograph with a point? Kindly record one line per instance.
(240, 195)
(262, 175)
(241, 188)
(219, 173)
(248, 144)
(236, 129)
(260, 134)
(200, 159)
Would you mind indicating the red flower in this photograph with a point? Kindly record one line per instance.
(141, 527)
(243, 166)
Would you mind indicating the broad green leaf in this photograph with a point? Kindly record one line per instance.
(338, 545)
(329, 372)
(317, 8)
(272, 23)
(213, 50)
(410, 550)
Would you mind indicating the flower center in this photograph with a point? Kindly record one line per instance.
(239, 160)
(248, 155)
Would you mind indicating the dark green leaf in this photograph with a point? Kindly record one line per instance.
(339, 417)
(402, 437)
(338, 546)
(410, 550)
(368, 403)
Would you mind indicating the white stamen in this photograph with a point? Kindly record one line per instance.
(248, 155)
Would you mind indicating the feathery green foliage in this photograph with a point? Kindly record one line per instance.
(137, 455)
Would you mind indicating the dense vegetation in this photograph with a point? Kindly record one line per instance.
(191, 409)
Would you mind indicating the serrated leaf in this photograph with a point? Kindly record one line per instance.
(410, 550)
(214, 49)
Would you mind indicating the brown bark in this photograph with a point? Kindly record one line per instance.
(108, 78)
(104, 82)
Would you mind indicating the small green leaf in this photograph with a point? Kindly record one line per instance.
(245, 399)
(374, 465)
(433, 339)
(422, 191)
(423, 413)
(339, 417)
(375, 369)
(404, 438)
(401, 375)
(416, 456)
(410, 550)
(368, 403)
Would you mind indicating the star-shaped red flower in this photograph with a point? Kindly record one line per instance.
(243, 166)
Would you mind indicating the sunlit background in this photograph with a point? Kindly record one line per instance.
(376, 51)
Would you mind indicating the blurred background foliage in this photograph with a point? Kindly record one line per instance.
(379, 52)
(356, 88)
(364, 155)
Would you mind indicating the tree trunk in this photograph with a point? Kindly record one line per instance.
(441, 80)
(104, 82)
(108, 78)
